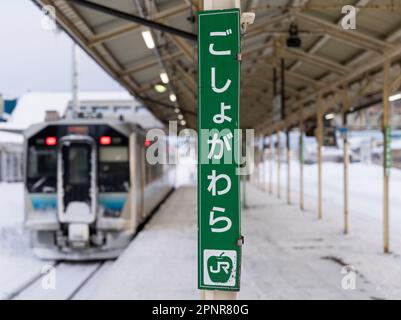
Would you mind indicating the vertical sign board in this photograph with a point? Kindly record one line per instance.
(219, 253)
(388, 161)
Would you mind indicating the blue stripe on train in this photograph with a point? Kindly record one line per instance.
(113, 202)
(44, 201)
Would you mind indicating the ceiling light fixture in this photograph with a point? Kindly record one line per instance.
(164, 77)
(160, 88)
(395, 97)
(148, 38)
(173, 97)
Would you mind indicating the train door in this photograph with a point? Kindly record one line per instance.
(77, 180)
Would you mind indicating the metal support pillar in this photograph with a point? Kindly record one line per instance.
(288, 167)
(301, 161)
(386, 174)
(319, 138)
(271, 161)
(346, 161)
(278, 153)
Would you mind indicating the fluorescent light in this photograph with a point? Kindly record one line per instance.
(395, 97)
(160, 88)
(330, 116)
(176, 110)
(173, 98)
(164, 77)
(147, 37)
(180, 117)
(183, 122)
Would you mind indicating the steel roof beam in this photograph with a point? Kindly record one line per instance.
(130, 27)
(133, 18)
(323, 40)
(150, 63)
(353, 38)
(316, 60)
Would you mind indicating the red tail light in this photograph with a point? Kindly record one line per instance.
(105, 140)
(147, 143)
(51, 141)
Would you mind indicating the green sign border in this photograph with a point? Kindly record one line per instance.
(201, 284)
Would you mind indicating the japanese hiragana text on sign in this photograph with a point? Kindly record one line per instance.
(219, 253)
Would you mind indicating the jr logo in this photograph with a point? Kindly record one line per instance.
(220, 267)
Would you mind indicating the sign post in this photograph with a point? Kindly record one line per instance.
(219, 207)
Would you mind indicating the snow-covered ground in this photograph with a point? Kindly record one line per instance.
(19, 266)
(366, 190)
(287, 253)
(17, 263)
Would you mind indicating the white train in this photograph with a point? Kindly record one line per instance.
(88, 187)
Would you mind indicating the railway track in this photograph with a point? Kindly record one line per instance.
(67, 280)
(63, 281)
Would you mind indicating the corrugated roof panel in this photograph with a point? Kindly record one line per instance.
(337, 51)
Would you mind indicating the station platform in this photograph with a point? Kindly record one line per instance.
(288, 254)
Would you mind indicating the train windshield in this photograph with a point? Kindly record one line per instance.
(78, 165)
(42, 170)
(113, 169)
(76, 172)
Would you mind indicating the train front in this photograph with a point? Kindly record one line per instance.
(77, 190)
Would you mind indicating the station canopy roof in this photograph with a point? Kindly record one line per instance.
(329, 60)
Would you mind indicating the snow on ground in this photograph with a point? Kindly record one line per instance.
(366, 190)
(161, 262)
(185, 172)
(17, 263)
(288, 254)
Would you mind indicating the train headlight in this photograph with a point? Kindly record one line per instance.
(105, 140)
(51, 141)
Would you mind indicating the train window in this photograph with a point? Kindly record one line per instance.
(113, 169)
(42, 169)
(78, 165)
(113, 154)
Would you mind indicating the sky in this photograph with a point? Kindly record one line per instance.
(35, 59)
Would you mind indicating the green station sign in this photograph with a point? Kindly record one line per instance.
(219, 208)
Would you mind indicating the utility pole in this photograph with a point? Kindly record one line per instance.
(75, 84)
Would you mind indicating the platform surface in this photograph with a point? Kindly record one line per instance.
(288, 254)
